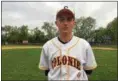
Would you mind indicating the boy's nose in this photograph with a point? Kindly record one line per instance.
(65, 22)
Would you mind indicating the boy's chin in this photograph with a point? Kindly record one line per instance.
(65, 31)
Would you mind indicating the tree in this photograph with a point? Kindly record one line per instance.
(84, 27)
(38, 35)
(23, 30)
(101, 35)
(49, 30)
(112, 30)
(31, 36)
(5, 33)
(14, 35)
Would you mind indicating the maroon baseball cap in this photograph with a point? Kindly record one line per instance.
(65, 12)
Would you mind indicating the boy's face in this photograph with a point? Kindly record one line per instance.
(65, 24)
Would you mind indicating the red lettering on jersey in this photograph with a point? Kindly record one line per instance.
(64, 60)
(78, 65)
(58, 60)
(69, 60)
(75, 62)
(54, 63)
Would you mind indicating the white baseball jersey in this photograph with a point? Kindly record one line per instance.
(67, 61)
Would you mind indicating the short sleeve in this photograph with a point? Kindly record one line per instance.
(43, 65)
(90, 59)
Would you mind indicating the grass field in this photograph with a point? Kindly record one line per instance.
(22, 64)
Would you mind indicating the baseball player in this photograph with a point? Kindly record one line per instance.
(67, 57)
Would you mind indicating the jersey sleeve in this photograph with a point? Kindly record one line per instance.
(90, 59)
(43, 65)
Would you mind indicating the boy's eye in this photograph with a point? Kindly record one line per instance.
(63, 19)
(69, 19)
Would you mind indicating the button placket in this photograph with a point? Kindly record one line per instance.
(64, 69)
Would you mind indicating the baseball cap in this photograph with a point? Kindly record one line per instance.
(65, 12)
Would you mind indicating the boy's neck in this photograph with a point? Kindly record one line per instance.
(65, 37)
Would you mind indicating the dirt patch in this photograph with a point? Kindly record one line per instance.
(20, 47)
(104, 48)
(28, 47)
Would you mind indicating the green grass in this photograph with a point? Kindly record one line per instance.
(107, 65)
(23, 65)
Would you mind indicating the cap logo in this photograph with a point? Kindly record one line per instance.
(65, 7)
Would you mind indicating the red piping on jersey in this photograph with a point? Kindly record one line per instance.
(60, 56)
(68, 54)
(67, 66)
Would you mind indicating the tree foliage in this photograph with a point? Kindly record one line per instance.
(84, 27)
(49, 29)
(112, 30)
